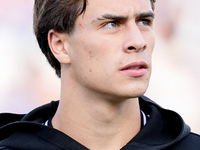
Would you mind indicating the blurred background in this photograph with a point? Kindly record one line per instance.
(27, 80)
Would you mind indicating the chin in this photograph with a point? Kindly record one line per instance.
(133, 94)
(127, 92)
(139, 91)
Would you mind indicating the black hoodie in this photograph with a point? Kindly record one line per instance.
(165, 129)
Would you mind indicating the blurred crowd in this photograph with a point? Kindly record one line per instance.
(27, 80)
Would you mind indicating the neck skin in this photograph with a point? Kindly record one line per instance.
(94, 121)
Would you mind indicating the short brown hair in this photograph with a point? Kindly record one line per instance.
(59, 15)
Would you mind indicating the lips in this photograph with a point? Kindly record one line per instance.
(135, 69)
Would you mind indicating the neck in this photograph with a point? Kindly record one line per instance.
(95, 122)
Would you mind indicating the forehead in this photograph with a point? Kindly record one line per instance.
(118, 6)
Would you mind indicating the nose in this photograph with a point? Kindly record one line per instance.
(134, 40)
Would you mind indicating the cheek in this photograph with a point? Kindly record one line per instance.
(92, 50)
(86, 56)
(94, 54)
(151, 39)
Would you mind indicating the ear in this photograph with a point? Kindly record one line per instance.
(58, 43)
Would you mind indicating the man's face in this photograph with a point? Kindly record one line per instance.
(111, 47)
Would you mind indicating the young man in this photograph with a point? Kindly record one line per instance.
(102, 51)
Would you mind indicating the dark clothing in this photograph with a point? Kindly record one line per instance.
(165, 129)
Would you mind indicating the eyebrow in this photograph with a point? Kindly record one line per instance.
(123, 18)
(145, 15)
(110, 17)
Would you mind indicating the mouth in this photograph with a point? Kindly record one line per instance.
(135, 69)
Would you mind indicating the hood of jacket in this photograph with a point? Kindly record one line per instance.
(163, 129)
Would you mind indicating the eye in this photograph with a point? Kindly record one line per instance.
(145, 22)
(111, 25)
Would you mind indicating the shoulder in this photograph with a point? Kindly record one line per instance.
(190, 142)
(4, 148)
(9, 117)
